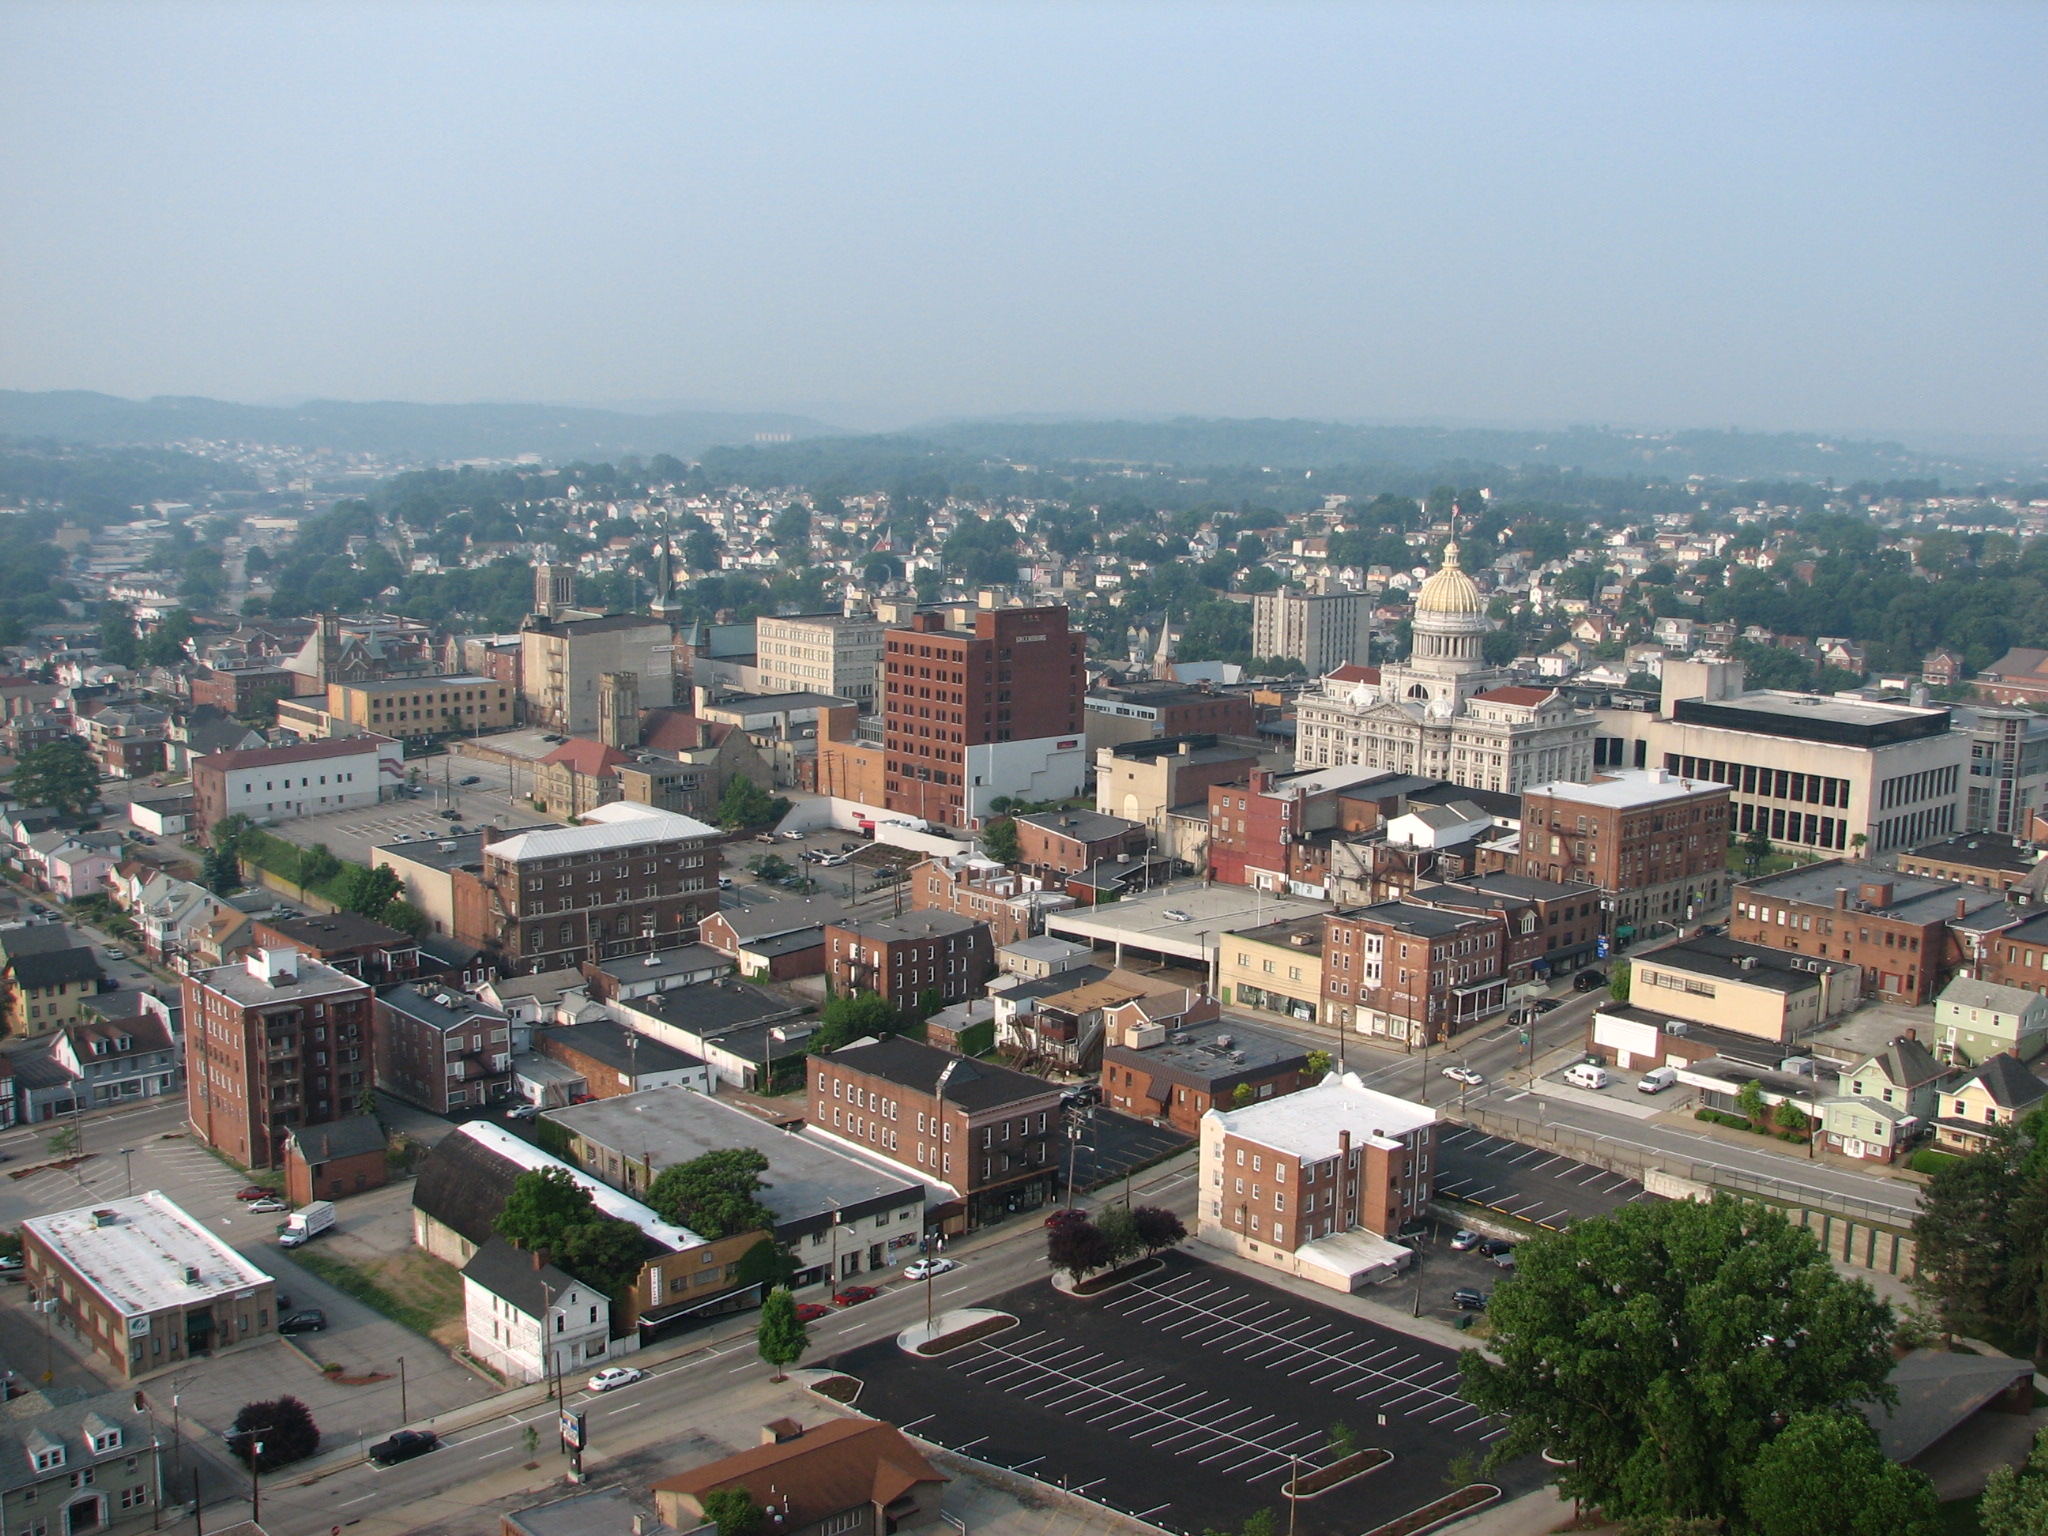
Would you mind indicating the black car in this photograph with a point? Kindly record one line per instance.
(449, 815)
(1546, 1004)
(403, 1446)
(1469, 1301)
(1493, 1247)
(471, 779)
(312, 1320)
(1588, 981)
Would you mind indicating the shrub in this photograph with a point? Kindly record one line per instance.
(1931, 1160)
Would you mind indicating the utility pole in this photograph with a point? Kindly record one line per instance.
(404, 1417)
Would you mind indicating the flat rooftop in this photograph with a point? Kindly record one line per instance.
(1752, 965)
(1307, 1124)
(1980, 850)
(1627, 788)
(1285, 933)
(1141, 921)
(138, 1252)
(311, 979)
(1814, 717)
(1914, 898)
(673, 1125)
(602, 837)
(1212, 1051)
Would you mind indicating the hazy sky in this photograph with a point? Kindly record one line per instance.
(1650, 213)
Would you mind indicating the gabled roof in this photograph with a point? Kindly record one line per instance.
(593, 759)
(840, 1465)
(1966, 992)
(350, 1136)
(2006, 1083)
(974, 1085)
(512, 1275)
(1907, 1064)
(56, 968)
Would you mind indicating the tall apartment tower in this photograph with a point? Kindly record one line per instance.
(554, 589)
(273, 1042)
(970, 715)
(1322, 631)
(618, 710)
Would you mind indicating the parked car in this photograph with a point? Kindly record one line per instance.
(1493, 1247)
(925, 1268)
(468, 780)
(765, 837)
(615, 1376)
(1504, 1259)
(792, 835)
(449, 815)
(269, 1205)
(312, 1320)
(1546, 1005)
(522, 1112)
(725, 882)
(1087, 1093)
(811, 1311)
(1465, 1075)
(403, 1446)
(1468, 1300)
(1465, 1242)
(1657, 1079)
(255, 1192)
(853, 1295)
(1175, 915)
(1586, 1075)
(117, 954)
(1589, 981)
(9, 1261)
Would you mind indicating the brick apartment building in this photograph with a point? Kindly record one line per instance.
(335, 1160)
(351, 944)
(903, 957)
(969, 716)
(274, 1043)
(975, 890)
(1416, 974)
(1552, 928)
(990, 1134)
(1176, 1068)
(1284, 1181)
(1994, 860)
(547, 899)
(1057, 843)
(1654, 843)
(442, 1049)
(1893, 926)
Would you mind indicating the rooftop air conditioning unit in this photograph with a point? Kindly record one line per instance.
(1226, 1041)
(1676, 1027)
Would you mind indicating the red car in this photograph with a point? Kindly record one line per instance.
(254, 1192)
(853, 1294)
(1065, 1214)
(811, 1311)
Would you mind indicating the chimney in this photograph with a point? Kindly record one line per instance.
(1343, 1143)
(1841, 898)
(491, 834)
(1911, 1033)
(1962, 908)
(1186, 748)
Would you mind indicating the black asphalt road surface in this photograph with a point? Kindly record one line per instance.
(1186, 1398)
(1112, 1143)
(1545, 1188)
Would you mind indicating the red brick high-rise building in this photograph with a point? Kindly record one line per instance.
(970, 715)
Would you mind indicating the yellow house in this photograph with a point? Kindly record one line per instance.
(1274, 968)
(48, 989)
(1999, 1092)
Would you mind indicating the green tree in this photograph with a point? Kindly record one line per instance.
(767, 1264)
(780, 1337)
(792, 531)
(60, 775)
(1119, 1228)
(366, 1104)
(845, 1019)
(604, 1252)
(929, 1002)
(1756, 847)
(1317, 1066)
(715, 1195)
(222, 870)
(1982, 1236)
(405, 917)
(733, 1511)
(702, 550)
(1262, 1522)
(1241, 1095)
(928, 583)
(1618, 981)
(367, 892)
(746, 804)
(118, 645)
(63, 1141)
(1789, 1117)
(1749, 1102)
(770, 866)
(1652, 1351)
(2015, 1501)
(543, 1205)
(999, 842)
(283, 1426)
(1825, 1475)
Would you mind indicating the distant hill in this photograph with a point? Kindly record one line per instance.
(432, 433)
(1303, 445)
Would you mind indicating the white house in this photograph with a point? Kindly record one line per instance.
(513, 1300)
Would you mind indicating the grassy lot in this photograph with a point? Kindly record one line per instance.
(413, 1288)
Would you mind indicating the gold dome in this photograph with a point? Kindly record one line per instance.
(1450, 590)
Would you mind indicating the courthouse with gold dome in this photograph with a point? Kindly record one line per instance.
(1443, 713)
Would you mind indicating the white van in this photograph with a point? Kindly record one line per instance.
(1587, 1074)
(1657, 1079)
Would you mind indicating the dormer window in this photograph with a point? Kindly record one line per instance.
(99, 1047)
(44, 1453)
(106, 1440)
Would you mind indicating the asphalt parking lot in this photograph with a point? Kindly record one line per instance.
(1186, 1399)
(1113, 1144)
(1546, 1189)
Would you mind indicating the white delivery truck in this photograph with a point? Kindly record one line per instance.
(306, 1223)
(1657, 1079)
